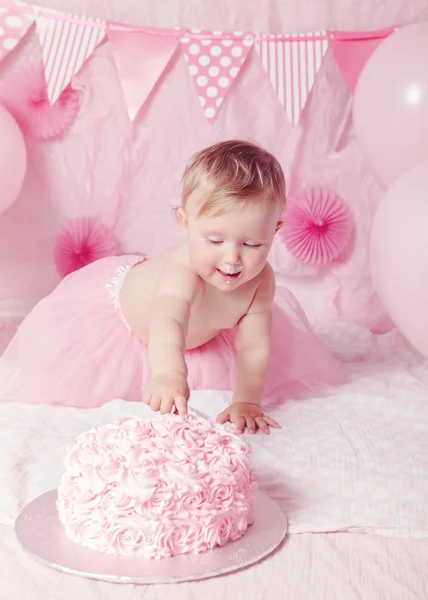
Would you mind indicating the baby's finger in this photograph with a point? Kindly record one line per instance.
(240, 424)
(155, 403)
(181, 404)
(147, 396)
(166, 406)
(271, 422)
(251, 425)
(223, 417)
(264, 427)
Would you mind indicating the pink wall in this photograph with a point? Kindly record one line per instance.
(128, 176)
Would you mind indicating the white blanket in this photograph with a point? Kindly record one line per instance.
(357, 461)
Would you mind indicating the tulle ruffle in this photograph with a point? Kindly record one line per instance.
(74, 349)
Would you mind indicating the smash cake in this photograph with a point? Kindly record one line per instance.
(156, 487)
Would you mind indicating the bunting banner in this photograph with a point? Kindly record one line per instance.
(16, 19)
(214, 61)
(138, 76)
(292, 64)
(352, 55)
(214, 58)
(66, 43)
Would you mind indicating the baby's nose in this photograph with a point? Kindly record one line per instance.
(232, 256)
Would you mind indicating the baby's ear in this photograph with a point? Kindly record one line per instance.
(182, 219)
(278, 226)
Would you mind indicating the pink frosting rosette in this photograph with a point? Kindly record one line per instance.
(177, 538)
(123, 537)
(87, 528)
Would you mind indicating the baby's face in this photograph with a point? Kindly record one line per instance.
(230, 249)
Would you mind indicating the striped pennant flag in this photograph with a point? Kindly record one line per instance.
(67, 42)
(292, 63)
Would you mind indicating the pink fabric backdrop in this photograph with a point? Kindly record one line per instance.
(128, 175)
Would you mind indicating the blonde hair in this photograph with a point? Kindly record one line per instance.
(233, 173)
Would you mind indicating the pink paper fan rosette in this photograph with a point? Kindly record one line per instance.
(24, 94)
(81, 242)
(317, 226)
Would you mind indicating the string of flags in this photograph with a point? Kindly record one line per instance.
(214, 58)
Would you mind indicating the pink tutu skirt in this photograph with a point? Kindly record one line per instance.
(75, 349)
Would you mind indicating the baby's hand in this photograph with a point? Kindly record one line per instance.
(247, 415)
(166, 390)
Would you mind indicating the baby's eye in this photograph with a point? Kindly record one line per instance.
(215, 242)
(252, 245)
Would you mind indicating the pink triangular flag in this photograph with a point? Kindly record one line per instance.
(16, 19)
(214, 60)
(292, 63)
(67, 42)
(351, 57)
(140, 59)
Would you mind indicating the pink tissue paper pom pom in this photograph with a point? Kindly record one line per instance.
(317, 226)
(81, 242)
(24, 94)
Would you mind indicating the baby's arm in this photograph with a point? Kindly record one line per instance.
(252, 360)
(167, 341)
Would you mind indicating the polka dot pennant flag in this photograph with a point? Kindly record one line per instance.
(16, 19)
(214, 60)
(292, 63)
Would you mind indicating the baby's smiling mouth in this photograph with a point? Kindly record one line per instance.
(229, 277)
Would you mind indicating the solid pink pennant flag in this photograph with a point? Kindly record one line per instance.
(351, 57)
(140, 57)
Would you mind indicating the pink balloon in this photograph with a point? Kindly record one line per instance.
(399, 255)
(390, 109)
(13, 160)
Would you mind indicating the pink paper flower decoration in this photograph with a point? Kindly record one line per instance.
(317, 226)
(81, 242)
(24, 94)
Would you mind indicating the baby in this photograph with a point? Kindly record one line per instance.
(219, 278)
(200, 316)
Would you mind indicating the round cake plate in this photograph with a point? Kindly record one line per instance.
(41, 533)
